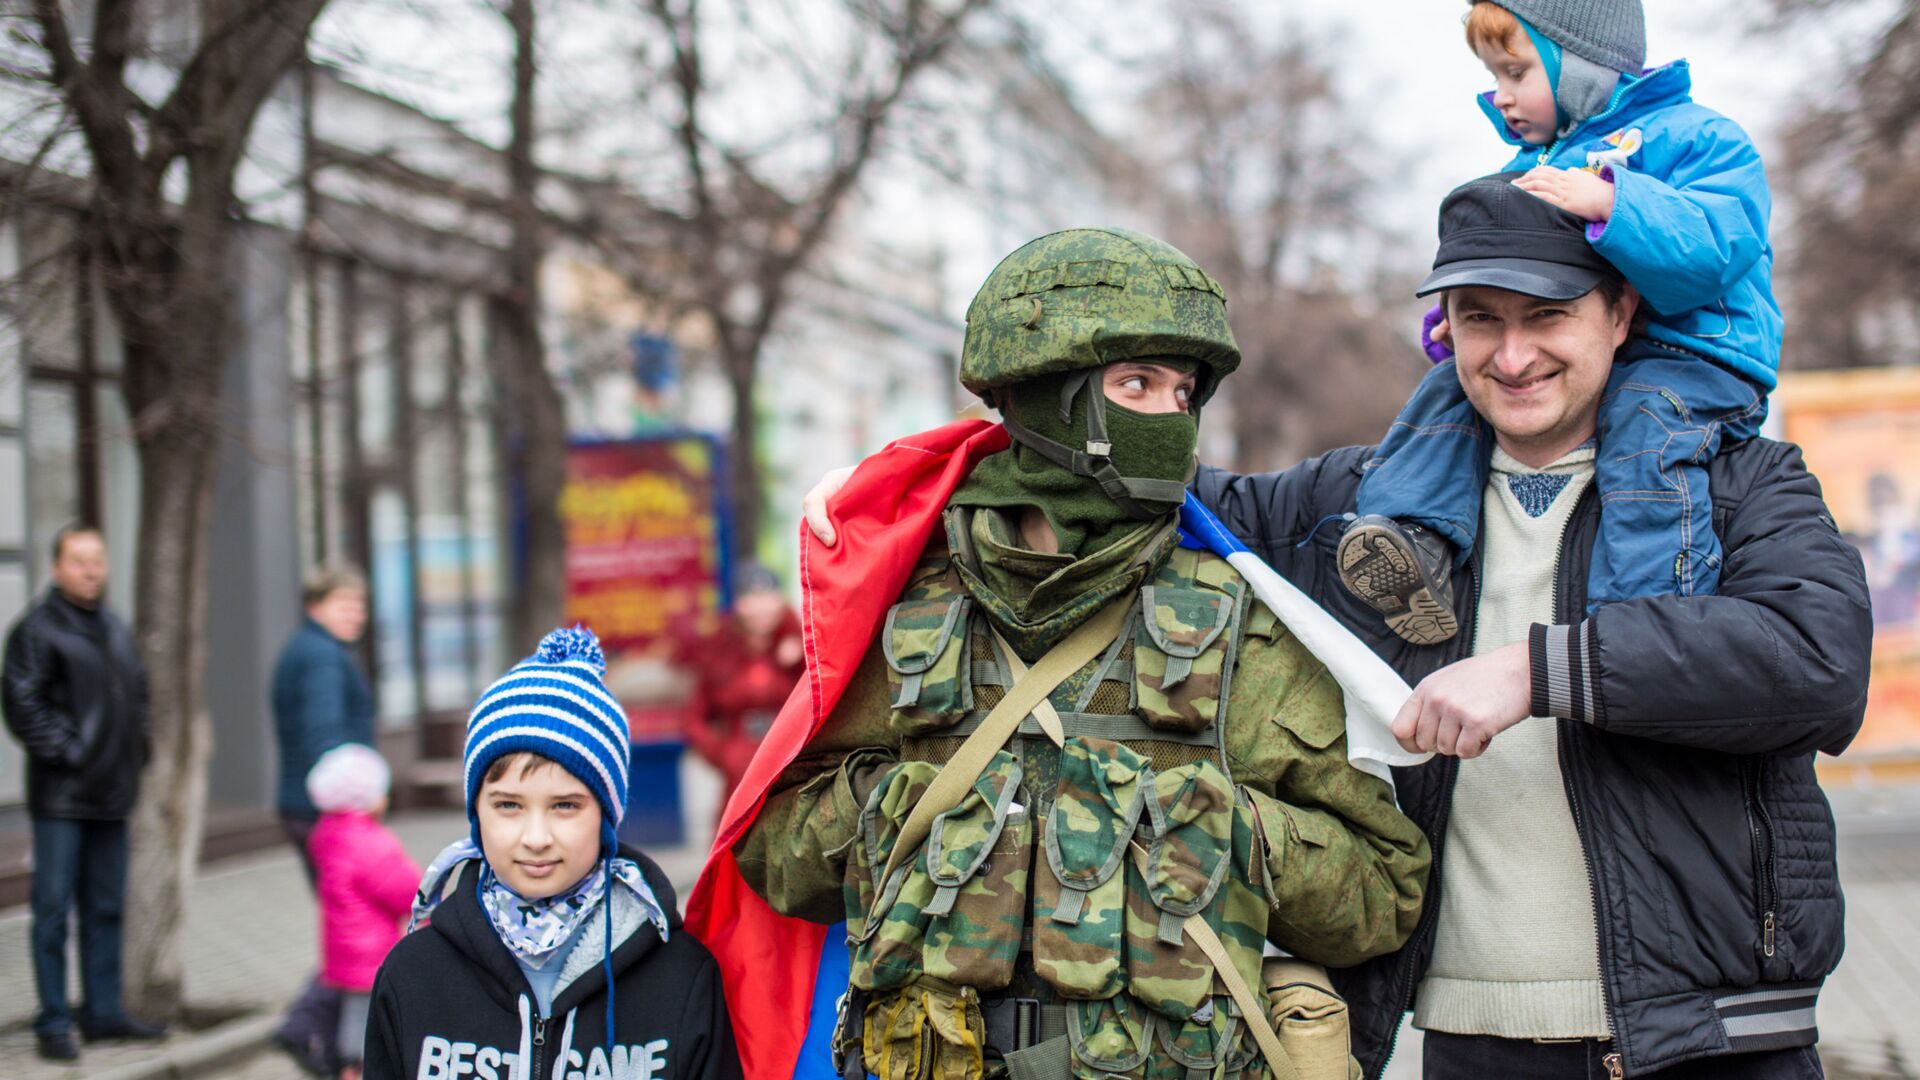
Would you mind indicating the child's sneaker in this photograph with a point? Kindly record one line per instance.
(1402, 571)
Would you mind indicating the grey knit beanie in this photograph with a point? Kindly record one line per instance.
(1612, 33)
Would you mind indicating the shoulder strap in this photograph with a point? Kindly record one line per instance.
(1252, 1008)
(1029, 694)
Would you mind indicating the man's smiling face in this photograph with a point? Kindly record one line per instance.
(1534, 368)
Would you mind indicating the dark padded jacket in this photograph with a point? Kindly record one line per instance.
(75, 695)
(320, 700)
(450, 1001)
(1688, 728)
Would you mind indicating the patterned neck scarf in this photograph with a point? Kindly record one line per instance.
(534, 930)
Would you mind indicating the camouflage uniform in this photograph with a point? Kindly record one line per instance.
(1205, 736)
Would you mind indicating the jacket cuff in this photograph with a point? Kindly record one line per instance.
(1598, 229)
(1563, 675)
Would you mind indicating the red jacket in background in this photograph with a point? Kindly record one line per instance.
(737, 695)
(366, 881)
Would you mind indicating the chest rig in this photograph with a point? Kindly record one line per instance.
(1066, 873)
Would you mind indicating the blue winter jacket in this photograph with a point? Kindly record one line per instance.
(320, 700)
(1689, 226)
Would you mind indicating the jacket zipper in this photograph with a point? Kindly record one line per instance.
(1760, 825)
(1428, 918)
(1600, 938)
(539, 1053)
(1613, 104)
(1567, 727)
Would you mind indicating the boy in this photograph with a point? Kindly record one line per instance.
(552, 952)
(1676, 199)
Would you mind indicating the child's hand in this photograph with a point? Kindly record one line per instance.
(1576, 191)
(1436, 336)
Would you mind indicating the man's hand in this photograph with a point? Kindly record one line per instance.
(815, 504)
(1460, 708)
(1577, 191)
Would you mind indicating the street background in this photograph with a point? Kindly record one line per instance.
(551, 310)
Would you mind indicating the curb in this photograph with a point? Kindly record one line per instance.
(218, 1047)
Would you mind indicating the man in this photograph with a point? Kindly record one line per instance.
(1640, 879)
(1183, 775)
(75, 696)
(1637, 861)
(320, 700)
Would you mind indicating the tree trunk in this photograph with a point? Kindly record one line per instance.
(534, 420)
(175, 506)
(174, 308)
(745, 484)
(533, 451)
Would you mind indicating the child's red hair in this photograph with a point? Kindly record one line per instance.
(1490, 24)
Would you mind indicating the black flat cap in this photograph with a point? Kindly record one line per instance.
(1497, 235)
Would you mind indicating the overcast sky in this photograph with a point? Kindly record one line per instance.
(1401, 62)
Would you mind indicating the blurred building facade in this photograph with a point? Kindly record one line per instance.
(357, 408)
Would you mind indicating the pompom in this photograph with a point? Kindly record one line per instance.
(577, 643)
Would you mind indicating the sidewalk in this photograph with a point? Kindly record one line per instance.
(249, 945)
(250, 941)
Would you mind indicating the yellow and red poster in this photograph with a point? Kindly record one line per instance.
(1860, 430)
(646, 554)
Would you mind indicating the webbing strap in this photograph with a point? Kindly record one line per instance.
(1142, 498)
(1029, 694)
(1252, 1007)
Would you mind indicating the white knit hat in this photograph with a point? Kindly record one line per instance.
(350, 777)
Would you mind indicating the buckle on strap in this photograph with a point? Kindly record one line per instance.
(1011, 1023)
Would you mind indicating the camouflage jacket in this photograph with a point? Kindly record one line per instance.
(1332, 870)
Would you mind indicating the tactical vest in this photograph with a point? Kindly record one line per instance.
(1029, 882)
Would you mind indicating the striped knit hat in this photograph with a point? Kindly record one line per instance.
(554, 704)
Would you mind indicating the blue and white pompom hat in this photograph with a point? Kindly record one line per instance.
(555, 704)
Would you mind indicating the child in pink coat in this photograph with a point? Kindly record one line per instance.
(366, 883)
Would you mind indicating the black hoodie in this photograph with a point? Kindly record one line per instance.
(450, 1002)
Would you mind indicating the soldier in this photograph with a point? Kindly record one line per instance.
(1184, 781)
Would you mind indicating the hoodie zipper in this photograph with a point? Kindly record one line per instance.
(1760, 825)
(539, 1055)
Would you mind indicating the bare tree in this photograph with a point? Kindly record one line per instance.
(1850, 175)
(532, 421)
(1249, 153)
(736, 214)
(164, 264)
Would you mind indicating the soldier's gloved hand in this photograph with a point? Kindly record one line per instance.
(815, 504)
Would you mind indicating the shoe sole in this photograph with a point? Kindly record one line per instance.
(1380, 567)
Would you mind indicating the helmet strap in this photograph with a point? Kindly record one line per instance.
(1140, 498)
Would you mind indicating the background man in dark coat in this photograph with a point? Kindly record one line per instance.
(75, 696)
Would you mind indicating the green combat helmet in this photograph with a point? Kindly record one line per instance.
(1077, 300)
